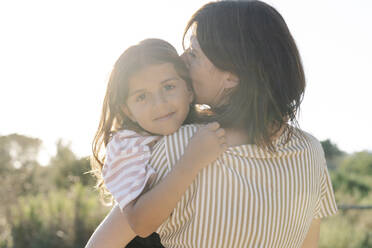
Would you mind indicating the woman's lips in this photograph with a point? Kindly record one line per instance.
(164, 117)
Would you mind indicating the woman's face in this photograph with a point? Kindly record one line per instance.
(207, 80)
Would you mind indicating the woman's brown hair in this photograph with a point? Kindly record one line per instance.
(147, 52)
(251, 40)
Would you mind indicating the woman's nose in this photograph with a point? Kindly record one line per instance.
(184, 57)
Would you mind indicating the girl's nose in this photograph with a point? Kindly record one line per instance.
(159, 100)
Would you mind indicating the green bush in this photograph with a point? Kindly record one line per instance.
(57, 219)
(55, 205)
(359, 163)
(352, 181)
(348, 229)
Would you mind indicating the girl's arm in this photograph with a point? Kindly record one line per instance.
(152, 208)
(144, 215)
(113, 232)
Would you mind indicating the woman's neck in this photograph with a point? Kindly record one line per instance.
(239, 136)
(236, 137)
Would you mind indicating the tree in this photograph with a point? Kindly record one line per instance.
(331, 150)
(18, 151)
(359, 163)
(332, 153)
(68, 169)
(18, 166)
(354, 175)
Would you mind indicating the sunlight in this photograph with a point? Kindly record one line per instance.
(56, 58)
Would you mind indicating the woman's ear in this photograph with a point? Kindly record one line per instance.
(128, 113)
(231, 80)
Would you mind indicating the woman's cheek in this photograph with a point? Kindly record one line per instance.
(194, 73)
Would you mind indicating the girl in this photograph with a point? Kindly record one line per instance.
(149, 94)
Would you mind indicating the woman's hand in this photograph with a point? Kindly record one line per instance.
(206, 145)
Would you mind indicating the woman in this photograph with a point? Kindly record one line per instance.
(271, 187)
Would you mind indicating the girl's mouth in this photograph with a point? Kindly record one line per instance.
(164, 117)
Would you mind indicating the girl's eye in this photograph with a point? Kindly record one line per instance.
(141, 97)
(169, 87)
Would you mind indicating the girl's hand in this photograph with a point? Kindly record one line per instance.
(206, 145)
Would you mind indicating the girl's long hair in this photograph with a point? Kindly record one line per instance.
(147, 52)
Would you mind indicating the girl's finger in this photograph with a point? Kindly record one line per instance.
(224, 146)
(222, 140)
(213, 126)
(220, 132)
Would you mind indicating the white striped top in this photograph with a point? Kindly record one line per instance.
(126, 170)
(247, 197)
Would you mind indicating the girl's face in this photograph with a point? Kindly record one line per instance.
(207, 79)
(158, 99)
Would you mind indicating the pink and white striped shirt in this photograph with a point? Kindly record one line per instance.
(126, 171)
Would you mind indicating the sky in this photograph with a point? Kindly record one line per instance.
(56, 56)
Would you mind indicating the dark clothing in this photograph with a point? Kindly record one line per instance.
(152, 241)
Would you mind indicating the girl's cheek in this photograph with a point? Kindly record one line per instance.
(173, 95)
(140, 108)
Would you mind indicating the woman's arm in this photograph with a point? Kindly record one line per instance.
(152, 208)
(113, 232)
(312, 236)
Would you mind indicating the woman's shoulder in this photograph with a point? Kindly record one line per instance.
(178, 140)
(307, 137)
(189, 127)
(291, 142)
(307, 143)
(171, 147)
(185, 131)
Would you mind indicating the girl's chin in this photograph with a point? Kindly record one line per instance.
(167, 131)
